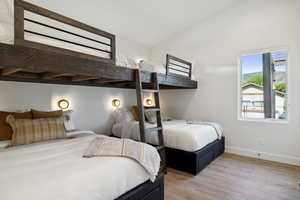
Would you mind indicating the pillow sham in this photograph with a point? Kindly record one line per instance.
(4, 144)
(27, 131)
(122, 115)
(135, 112)
(5, 130)
(68, 120)
(37, 114)
(150, 117)
(146, 66)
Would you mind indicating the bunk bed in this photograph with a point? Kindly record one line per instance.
(189, 146)
(50, 48)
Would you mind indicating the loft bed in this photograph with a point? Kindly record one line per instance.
(51, 48)
(71, 58)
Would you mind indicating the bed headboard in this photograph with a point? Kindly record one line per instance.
(178, 67)
(35, 25)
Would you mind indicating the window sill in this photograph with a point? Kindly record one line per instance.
(272, 121)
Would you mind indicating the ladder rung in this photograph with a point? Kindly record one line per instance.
(151, 109)
(150, 91)
(149, 130)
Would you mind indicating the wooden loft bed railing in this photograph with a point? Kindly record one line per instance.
(32, 61)
(20, 30)
(178, 67)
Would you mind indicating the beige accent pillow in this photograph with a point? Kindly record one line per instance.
(5, 130)
(27, 131)
(36, 114)
(150, 117)
(135, 112)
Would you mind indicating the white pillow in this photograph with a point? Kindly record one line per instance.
(122, 61)
(75, 133)
(4, 144)
(68, 122)
(146, 66)
(122, 115)
(6, 33)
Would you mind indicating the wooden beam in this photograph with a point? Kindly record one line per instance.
(9, 71)
(32, 58)
(35, 59)
(106, 80)
(82, 78)
(49, 75)
(18, 21)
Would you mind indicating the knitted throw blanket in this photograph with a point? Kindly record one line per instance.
(146, 155)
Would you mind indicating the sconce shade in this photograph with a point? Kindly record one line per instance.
(63, 104)
(149, 102)
(116, 102)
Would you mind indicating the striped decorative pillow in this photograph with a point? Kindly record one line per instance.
(26, 131)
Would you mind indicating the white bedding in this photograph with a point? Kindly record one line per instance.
(56, 170)
(178, 134)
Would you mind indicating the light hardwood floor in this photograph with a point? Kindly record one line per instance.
(232, 177)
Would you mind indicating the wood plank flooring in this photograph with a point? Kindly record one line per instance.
(232, 177)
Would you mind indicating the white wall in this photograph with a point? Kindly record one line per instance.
(91, 105)
(214, 46)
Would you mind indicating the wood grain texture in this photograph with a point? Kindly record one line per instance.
(169, 64)
(9, 71)
(21, 5)
(82, 78)
(49, 75)
(233, 177)
(18, 21)
(33, 59)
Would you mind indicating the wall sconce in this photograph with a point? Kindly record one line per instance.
(149, 102)
(138, 62)
(116, 102)
(63, 104)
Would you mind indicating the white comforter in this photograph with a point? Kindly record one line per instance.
(56, 170)
(178, 134)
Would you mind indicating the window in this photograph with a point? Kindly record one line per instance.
(263, 85)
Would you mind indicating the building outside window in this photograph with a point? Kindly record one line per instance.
(263, 85)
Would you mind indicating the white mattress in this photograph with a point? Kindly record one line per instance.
(56, 170)
(178, 134)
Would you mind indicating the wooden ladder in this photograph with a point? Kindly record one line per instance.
(143, 130)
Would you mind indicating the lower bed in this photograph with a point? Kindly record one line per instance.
(190, 146)
(57, 170)
(194, 162)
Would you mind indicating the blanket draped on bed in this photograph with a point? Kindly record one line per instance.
(219, 130)
(146, 155)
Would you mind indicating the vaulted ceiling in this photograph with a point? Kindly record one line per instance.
(146, 21)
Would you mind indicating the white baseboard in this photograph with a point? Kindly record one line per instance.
(264, 155)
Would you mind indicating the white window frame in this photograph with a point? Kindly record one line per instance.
(239, 92)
